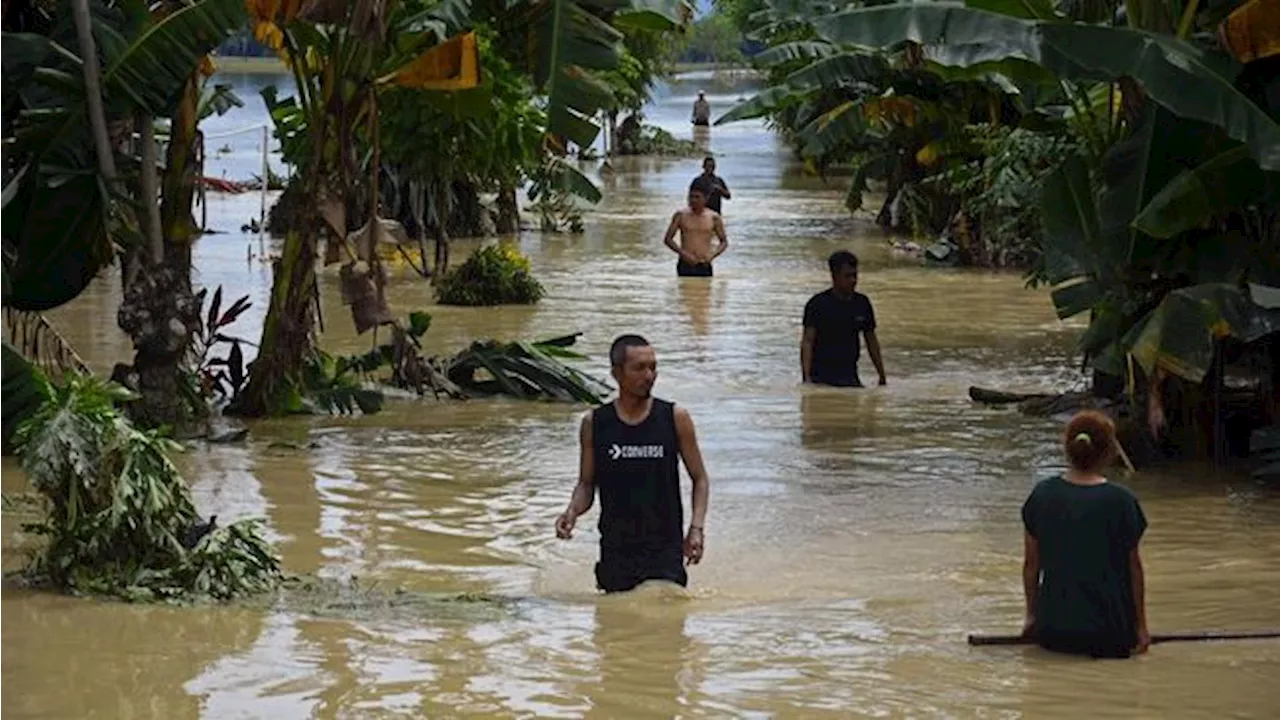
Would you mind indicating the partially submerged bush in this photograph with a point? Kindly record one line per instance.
(495, 275)
(120, 518)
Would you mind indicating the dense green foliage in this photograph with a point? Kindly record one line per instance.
(120, 520)
(1135, 170)
(493, 275)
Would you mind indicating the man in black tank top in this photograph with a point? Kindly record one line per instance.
(630, 450)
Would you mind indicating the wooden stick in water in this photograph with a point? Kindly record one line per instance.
(1205, 635)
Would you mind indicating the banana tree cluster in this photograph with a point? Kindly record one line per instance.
(1165, 226)
(344, 56)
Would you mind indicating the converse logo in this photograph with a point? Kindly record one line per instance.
(635, 452)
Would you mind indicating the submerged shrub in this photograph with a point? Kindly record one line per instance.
(494, 275)
(120, 520)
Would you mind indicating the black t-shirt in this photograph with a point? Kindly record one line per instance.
(839, 324)
(707, 184)
(638, 476)
(1085, 533)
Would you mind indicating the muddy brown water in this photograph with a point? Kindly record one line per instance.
(854, 538)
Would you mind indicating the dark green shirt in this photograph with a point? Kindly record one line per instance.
(1085, 534)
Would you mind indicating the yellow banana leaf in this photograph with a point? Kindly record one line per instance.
(1252, 31)
(451, 65)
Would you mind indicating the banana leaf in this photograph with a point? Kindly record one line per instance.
(151, 68)
(1190, 81)
(1226, 182)
(523, 370)
(799, 50)
(1180, 334)
(24, 391)
(568, 43)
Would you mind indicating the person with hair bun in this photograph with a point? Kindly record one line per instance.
(1081, 570)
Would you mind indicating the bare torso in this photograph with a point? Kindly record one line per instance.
(696, 232)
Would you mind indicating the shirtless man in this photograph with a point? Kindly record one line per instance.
(696, 224)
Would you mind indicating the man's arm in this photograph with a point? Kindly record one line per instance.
(724, 189)
(807, 340)
(718, 224)
(1139, 598)
(584, 492)
(670, 239)
(692, 456)
(1030, 576)
(873, 349)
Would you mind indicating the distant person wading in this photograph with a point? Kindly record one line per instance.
(712, 186)
(630, 451)
(834, 319)
(696, 225)
(701, 111)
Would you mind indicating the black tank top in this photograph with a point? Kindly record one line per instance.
(637, 472)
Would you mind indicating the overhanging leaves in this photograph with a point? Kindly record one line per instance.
(1189, 81)
(1228, 181)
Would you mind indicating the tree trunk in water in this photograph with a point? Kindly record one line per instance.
(287, 333)
(508, 212)
(159, 311)
(160, 314)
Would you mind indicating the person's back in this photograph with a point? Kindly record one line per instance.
(1082, 574)
(641, 514)
(1085, 600)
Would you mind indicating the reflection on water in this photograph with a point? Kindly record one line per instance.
(854, 537)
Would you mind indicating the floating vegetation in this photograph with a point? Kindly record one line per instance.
(119, 519)
(494, 275)
(352, 598)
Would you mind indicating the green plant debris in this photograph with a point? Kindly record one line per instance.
(23, 503)
(526, 370)
(120, 521)
(494, 275)
(353, 598)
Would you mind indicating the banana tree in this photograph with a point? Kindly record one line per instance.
(342, 55)
(79, 199)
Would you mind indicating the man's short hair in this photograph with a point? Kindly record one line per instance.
(694, 187)
(618, 352)
(840, 260)
(708, 159)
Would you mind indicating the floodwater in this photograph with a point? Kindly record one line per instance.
(853, 539)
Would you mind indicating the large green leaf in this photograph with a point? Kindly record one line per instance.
(1189, 81)
(1180, 334)
(151, 68)
(24, 391)
(570, 43)
(1073, 236)
(760, 105)
(1226, 182)
(60, 237)
(799, 50)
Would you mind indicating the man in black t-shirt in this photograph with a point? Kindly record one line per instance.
(711, 185)
(833, 321)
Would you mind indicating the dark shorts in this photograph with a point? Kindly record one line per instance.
(847, 381)
(620, 570)
(702, 123)
(684, 269)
